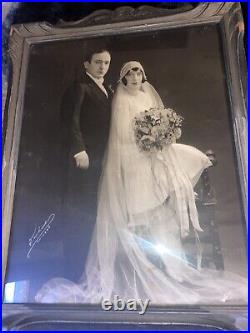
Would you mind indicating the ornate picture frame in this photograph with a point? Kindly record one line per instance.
(28, 47)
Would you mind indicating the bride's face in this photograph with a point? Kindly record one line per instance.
(134, 79)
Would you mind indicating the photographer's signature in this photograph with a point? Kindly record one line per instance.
(39, 233)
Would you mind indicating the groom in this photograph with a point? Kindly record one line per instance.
(86, 108)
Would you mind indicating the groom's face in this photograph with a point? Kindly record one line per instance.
(99, 64)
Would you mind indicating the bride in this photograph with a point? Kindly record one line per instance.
(146, 206)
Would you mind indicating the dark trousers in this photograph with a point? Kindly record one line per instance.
(80, 210)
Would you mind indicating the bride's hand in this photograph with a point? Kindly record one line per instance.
(82, 160)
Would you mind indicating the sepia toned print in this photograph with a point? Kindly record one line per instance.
(128, 175)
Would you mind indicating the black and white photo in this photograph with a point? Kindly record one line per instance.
(128, 182)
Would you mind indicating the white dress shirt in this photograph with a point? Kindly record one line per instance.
(99, 82)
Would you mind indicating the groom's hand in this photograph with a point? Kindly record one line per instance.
(82, 160)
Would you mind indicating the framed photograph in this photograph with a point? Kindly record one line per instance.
(125, 171)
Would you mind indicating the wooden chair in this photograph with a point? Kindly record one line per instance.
(209, 238)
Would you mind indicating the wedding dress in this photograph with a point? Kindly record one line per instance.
(146, 206)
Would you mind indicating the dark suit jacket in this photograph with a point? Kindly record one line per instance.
(86, 118)
(86, 114)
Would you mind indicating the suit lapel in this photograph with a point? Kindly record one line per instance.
(97, 92)
(109, 90)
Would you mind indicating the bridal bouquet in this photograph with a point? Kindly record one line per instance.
(156, 128)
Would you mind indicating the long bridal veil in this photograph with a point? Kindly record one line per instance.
(138, 253)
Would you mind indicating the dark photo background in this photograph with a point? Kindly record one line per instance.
(186, 67)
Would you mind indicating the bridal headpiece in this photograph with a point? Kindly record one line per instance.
(130, 65)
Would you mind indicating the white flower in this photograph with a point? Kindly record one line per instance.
(177, 133)
(148, 138)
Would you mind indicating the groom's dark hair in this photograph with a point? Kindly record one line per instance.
(94, 49)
